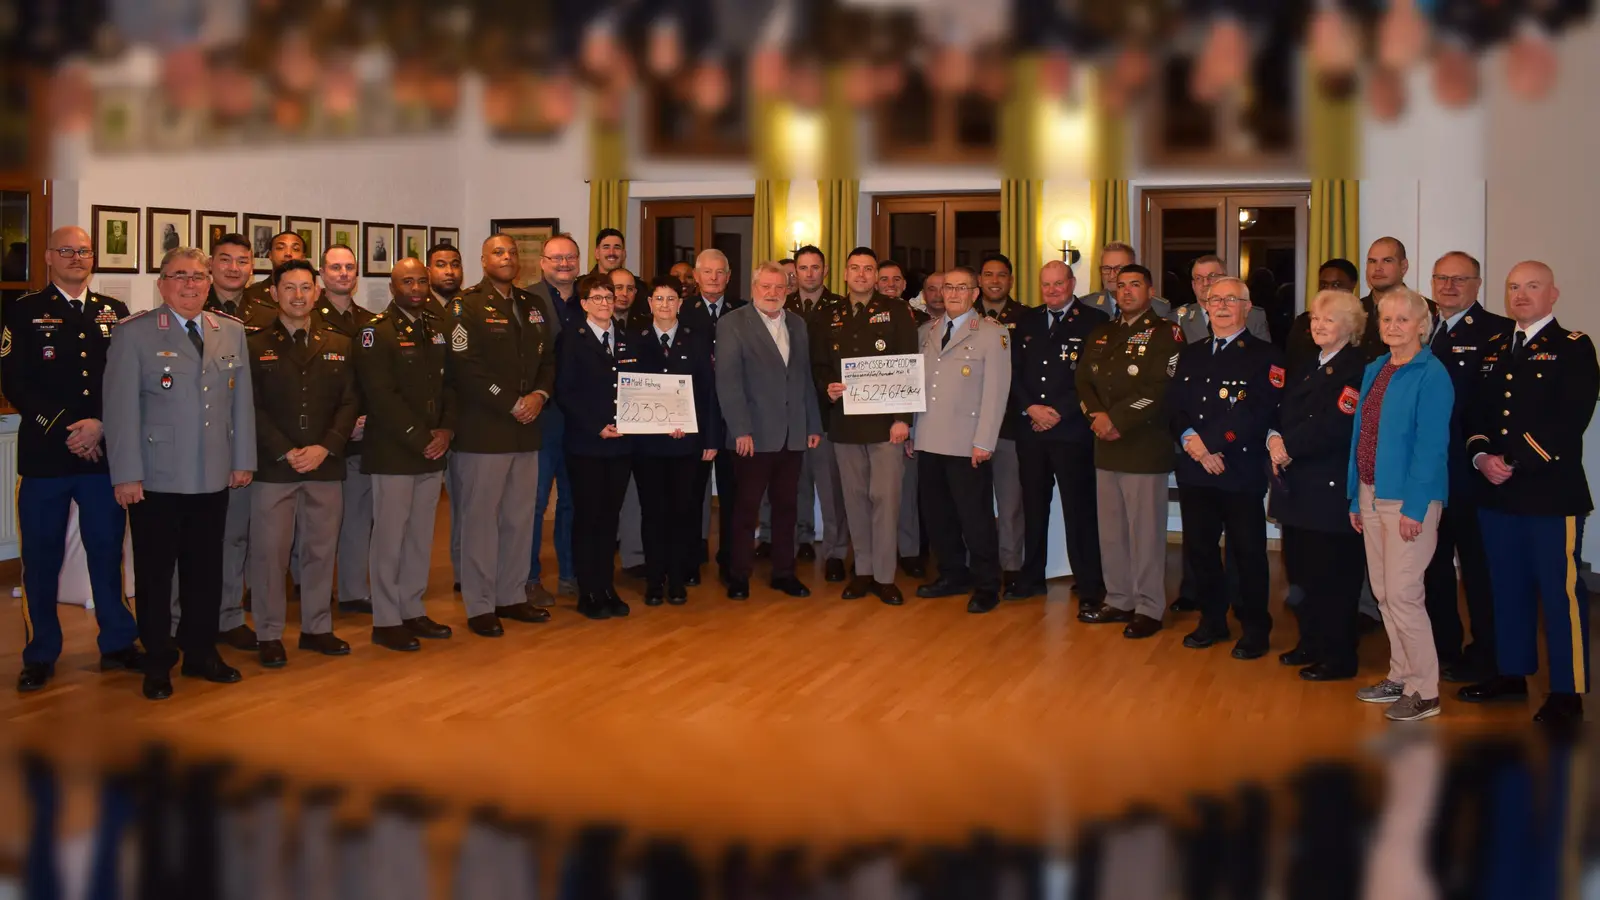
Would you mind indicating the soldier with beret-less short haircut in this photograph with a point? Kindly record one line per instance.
(286, 245)
(180, 430)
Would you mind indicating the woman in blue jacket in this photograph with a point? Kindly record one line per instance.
(1398, 482)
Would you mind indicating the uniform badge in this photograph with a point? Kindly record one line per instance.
(458, 338)
(1329, 370)
(49, 353)
(1229, 436)
(1275, 375)
(230, 384)
(535, 317)
(162, 322)
(5, 342)
(368, 335)
(1223, 394)
(438, 337)
(1133, 370)
(1468, 320)
(881, 345)
(105, 330)
(972, 324)
(1347, 400)
(1177, 334)
(966, 370)
(1005, 343)
(166, 382)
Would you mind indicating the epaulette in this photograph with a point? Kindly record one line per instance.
(378, 317)
(225, 315)
(142, 312)
(1574, 335)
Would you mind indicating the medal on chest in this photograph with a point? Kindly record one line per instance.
(166, 382)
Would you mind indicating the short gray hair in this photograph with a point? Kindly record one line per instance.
(1244, 289)
(1344, 306)
(1121, 247)
(1412, 299)
(767, 268)
(713, 253)
(177, 253)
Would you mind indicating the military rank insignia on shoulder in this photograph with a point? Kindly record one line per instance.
(5, 342)
(136, 315)
(1574, 335)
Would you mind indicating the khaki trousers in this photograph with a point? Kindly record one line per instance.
(1396, 568)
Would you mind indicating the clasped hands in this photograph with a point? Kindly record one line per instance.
(528, 407)
(1196, 448)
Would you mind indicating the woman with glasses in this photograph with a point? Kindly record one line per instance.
(589, 354)
(666, 466)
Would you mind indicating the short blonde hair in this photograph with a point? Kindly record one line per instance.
(1413, 300)
(1344, 308)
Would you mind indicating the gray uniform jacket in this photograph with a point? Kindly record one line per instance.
(1196, 327)
(968, 382)
(760, 396)
(179, 423)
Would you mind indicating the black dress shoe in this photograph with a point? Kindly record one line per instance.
(638, 571)
(213, 670)
(1008, 578)
(1021, 590)
(486, 625)
(157, 687)
(889, 594)
(523, 612)
(356, 606)
(913, 566)
(790, 585)
(1200, 638)
(395, 637)
(857, 588)
(692, 579)
(615, 606)
(1185, 605)
(272, 655)
(1459, 673)
(594, 606)
(983, 601)
(240, 637)
(1560, 711)
(129, 658)
(1324, 672)
(655, 594)
(1500, 689)
(763, 550)
(456, 587)
(1089, 604)
(1296, 657)
(944, 587)
(1249, 649)
(327, 643)
(1104, 613)
(34, 677)
(424, 627)
(833, 571)
(806, 552)
(1141, 627)
(677, 595)
(738, 589)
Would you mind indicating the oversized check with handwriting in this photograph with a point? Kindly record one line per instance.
(655, 404)
(883, 384)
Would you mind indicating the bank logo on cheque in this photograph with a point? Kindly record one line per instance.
(849, 365)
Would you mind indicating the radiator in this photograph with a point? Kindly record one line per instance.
(8, 487)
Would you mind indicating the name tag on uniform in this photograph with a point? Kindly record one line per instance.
(489, 321)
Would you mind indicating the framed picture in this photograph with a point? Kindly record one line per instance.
(451, 236)
(259, 229)
(530, 235)
(310, 231)
(342, 231)
(164, 229)
(378, 239)
(209, 227)
(116, 238)
(413, 242)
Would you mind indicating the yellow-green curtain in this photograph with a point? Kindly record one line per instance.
(772, 217)
(1333, 225)
(1021, 206)
(1332, 129)
(608, 208)
(839, 199)
(1108, 204)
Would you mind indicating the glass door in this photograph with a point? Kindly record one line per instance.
(677, 230)
(927, 233)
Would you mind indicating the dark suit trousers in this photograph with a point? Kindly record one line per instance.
(1330, 569)
(1068, 467)
(1208, 513)
(777, 475)
(599, 484)
(953, 491)
(727, 498)
(1459, 531)
(182, 530)
(668, 503)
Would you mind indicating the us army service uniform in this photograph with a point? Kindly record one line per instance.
(355, 527)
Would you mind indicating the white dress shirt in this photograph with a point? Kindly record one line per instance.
(779, 329)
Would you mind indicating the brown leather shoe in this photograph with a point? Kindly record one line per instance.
(242, 637)
(273, 656)
(535, 594)
(858, 587)
(889, 594)
(1103, 614)
(422, 626)
(1141, 627)
(522, 612)
(486, 625)
(326, 643)
(395, 637)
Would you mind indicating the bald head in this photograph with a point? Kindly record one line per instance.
(1056, 284)
(1531, 292)
(71, 273)
(500, 262)
(408, 284)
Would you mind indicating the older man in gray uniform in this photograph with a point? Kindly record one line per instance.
(180, 430)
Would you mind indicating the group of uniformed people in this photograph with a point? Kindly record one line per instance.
(254, 431)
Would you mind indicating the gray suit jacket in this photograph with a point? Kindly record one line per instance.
(1196, 327)
(760, 396)
(552, 315)
(968, 383)
(1103, 301)
(174, 421)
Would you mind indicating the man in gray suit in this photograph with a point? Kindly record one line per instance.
(1113, 257)
(770, 406)
(180, 431)
(1193, 318)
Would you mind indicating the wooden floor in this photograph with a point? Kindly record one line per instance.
(770, 718)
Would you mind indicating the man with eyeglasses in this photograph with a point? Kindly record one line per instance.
(180, 431)
(1334, 275)
(231, 263)
(502, 365)
(1113, 258)
(1461, 340)
(286, 245)
(52, 357)
(556, 292)
(1195, 318)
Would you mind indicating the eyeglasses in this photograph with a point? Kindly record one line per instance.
(601, 298)
(191, 278)
(70, 252)
(1110, 270)
(1455, 280)
(1228, 299)
(569, 258)
(1215, 276)
(663, 298)
(958, 288)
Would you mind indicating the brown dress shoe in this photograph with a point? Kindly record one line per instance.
(1103, 614)
(422, 626)
(537, 595)
(1141, 627)
(326, 643)
(273, 656)
(241, 637)
(395, 637)
(486, 625)
(522, 612)
(858, 587)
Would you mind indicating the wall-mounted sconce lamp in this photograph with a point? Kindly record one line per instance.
(1068, 232)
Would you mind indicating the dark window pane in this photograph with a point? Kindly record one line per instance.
(1186, 234)
(14, 236)
(674, 242)
(734, 236)
(1267, 256)
(977, 234)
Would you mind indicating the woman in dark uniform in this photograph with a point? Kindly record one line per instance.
(589, 354)
(1310, 451)
(667, 466)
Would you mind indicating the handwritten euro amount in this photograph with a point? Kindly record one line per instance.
(643, 413)
(879, 393)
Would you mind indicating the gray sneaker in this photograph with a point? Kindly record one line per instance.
(535, 593)
(1412, 707)
(567, 587)
(1385, 691)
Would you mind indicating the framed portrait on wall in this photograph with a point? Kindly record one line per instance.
(451, 236)
(412, 241)
(258, 230)
(377, 241)
(116, 238)
(310, 231)
(209, 227)
(530, 235)
(164, 229)
(342, 231)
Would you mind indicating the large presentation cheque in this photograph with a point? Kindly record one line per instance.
(883, 384)
(655, 404)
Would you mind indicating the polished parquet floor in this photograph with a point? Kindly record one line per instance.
(770, 718)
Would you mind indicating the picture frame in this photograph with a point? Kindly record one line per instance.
(412, 241)
(451, 236)
(115, 238)
(377, 249)
(310, 231)
(259, 229)
(209, 227)
(342, 231)
(530, 235)
(164, 229)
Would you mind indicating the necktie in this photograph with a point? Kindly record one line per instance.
(300, 339)
(605, 342)
(1517, 343)
(712, 309)
(1055, 320)
(1217, 346)
(666, 344)
(77, 307)
(948, 327)
(230, 307)
(194, 338)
